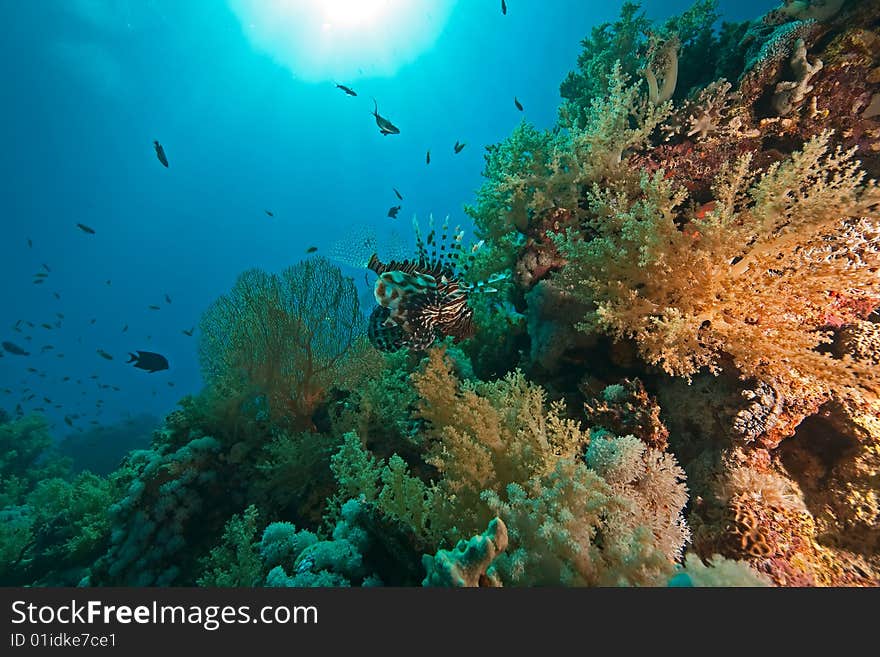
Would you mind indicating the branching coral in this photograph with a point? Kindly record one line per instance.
(286, 336)
(749, 279)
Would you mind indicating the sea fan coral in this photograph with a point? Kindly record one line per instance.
(285, 337)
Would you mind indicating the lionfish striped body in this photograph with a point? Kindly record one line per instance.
(424, 299)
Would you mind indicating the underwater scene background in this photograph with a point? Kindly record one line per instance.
(450, 293)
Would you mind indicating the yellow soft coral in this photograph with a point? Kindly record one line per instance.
(751, 279)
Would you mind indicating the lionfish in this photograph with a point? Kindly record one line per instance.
(425, 299)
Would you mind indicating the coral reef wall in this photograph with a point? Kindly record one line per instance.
(675, 381)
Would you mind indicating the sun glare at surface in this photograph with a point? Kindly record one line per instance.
(343, 39)
(352, 12)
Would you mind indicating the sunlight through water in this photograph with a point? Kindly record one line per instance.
(343, 39)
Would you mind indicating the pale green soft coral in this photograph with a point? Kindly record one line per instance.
(16, 536)
(628, 41)
(285, 556)
(235, 562)
(501, 450)
(282, 543)
(397, 493)
(573, 527)
(335, 562)
(533, 172)
(516, 170)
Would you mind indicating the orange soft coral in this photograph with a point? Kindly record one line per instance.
(751, 279)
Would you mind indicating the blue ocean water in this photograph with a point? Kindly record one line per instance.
(251, 120)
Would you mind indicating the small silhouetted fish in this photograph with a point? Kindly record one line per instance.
(14, 349)
(517, 103)
(385, 126)
(269, 212)
(154, 307)
(46, 348)
(86, 229)
(56, 295)
(40, 274)
(428, 157)
(39, 281)
(189, 332)
(107, 281)
(48, 327)
(47, 400)
(392, 212)
(94, 376)
(59, 315)
(311, 249)
(171, 384)
(503, 7)
(32, 370)
(125, 328)
(348, 90)
(458, 147)
(66, 378)
(68, 421)
(160, 153)
(104, 354)
(116, 388)
(167, 299)
(397, 193)
(93, 320)
(30, 244)
(149, 361)
(59, 356)
(46, 267)
(31, 324)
